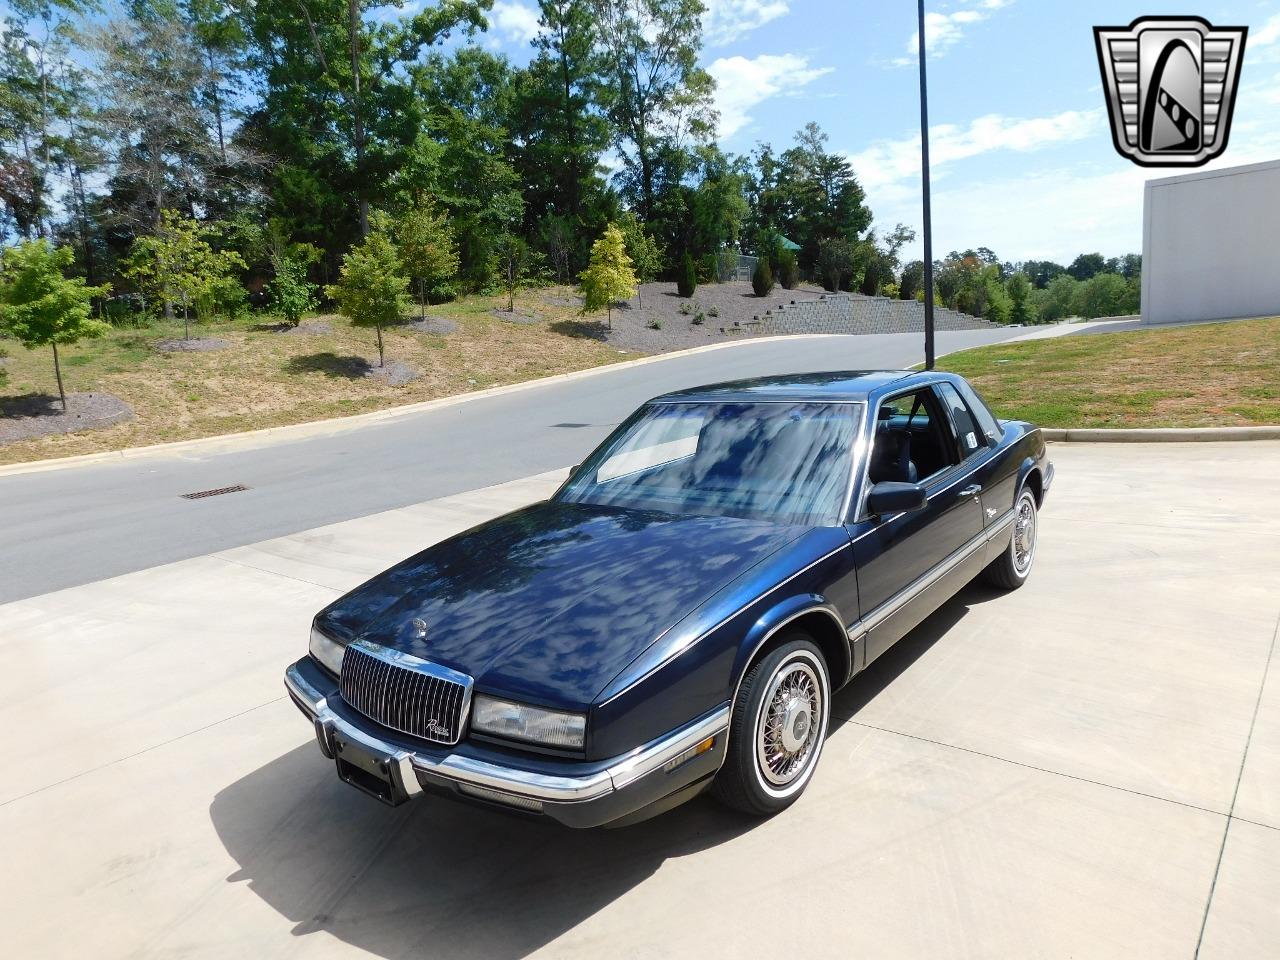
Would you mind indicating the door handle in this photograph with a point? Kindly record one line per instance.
(972, 490)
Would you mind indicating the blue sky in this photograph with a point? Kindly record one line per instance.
(1022, 154)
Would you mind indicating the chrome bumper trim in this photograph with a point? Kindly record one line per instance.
(622, 771)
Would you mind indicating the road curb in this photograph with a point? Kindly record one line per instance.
(1161, 434)
(311, 428)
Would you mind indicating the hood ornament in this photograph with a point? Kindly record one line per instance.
(419, 627)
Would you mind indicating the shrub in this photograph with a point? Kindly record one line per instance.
(788, 270)
(698, 318)
(762, 279)
(686, 308)
(655, 324)
(713, 311)
(686, 278)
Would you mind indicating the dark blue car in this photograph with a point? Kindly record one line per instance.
(678, 614)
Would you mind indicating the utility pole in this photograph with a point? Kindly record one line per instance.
(928, 225)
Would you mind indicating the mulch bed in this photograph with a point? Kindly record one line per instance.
(194, 345)
(40, 415)
(439, 326)
(633, 324)
(396, 373)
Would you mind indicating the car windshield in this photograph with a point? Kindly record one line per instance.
(787, 462)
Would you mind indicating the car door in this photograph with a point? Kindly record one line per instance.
(909, 563)
(995, 470)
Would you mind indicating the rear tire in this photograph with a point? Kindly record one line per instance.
(776, 729)
(1011, 569)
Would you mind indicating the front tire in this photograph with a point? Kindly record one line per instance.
(1011, 569)
(776, 730)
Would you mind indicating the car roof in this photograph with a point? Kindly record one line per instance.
(837, 385)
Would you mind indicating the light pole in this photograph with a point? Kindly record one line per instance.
(928, 226)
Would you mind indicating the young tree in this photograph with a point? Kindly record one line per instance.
(686, 276)
(517, 263)
(427, 250)
(372, 290)
(291, 292)
(609, 277)
(177, 265)
(41, 307)
(788, 269)
(762, 279)
(836, 263)
(1018, 287)
(645, 252)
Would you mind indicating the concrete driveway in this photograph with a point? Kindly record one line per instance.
(1088, 767)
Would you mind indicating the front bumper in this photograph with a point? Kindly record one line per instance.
(576, 793)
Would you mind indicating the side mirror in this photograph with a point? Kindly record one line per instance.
(889, 497)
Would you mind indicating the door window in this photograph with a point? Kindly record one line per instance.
(970, 437)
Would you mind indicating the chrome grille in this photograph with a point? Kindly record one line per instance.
(399, 691)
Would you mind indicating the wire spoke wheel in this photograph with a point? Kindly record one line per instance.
(1024, 535)
(788, 728)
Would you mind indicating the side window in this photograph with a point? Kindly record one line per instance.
(911, 442)
(969, 436)
(981, 412)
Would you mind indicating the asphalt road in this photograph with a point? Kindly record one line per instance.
(77, 525)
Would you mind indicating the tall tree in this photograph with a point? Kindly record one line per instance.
(337, 102)
(161, 141)
(822, 198)
(656, 95)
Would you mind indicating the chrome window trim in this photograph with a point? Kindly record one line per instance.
(618, 773)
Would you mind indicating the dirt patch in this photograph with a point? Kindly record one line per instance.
(395, 373)
(194, 345)
(41, 415)
(438, 326)
(514, 316)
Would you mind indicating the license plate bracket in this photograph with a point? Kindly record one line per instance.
(369, 772)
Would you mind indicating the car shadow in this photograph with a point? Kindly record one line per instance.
(897, 659)
(435, 877)
(446, 879)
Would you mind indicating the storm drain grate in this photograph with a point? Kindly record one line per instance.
(201, 494)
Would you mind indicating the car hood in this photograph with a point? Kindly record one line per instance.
(549, 603)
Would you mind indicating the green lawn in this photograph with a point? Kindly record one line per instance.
(1219, 374)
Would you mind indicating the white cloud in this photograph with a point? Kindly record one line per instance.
(1265, 35)
(742, 83)
(944, 30)
(726, 20)
(889, 161)
(517, 22)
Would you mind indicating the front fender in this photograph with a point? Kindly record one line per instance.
(772, 622)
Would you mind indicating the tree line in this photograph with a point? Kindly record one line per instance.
(198, 155)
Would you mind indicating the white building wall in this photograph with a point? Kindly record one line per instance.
(1211, 245)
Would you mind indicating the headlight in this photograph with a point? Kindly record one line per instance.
(518, 721)
(326, 650)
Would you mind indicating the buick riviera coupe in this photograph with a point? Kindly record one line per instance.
(679, 613)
